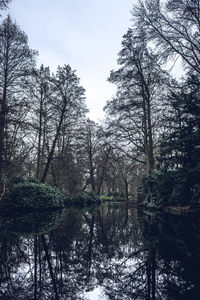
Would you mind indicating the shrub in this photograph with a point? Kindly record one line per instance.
(82, 198)
(106, 198)
(179, 187)
(117, 194)
(158, 187)
(32, 194)
(13, 181)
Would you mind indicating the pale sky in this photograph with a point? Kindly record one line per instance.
(86, 34)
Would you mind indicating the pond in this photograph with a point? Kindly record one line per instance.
(111, 252)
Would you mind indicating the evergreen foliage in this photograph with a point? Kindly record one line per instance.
(30, 194)
(177, 187)
(180, 147)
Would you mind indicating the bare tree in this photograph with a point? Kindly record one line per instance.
(4, 4)
(16, 61)
(69, 102)
(39, 91)
(174, 28)
(135, 112)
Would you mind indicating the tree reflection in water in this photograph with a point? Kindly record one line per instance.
(127, 254)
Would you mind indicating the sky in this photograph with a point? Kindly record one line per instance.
(86, 34)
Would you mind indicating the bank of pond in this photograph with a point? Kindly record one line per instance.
(175, 192)
(28, 194)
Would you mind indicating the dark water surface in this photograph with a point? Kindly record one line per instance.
(111, 252)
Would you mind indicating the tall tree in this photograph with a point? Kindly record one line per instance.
(68, 168)
(69, 104)
(16, 61)
(39, 91)
(96, 150)
(136, 110)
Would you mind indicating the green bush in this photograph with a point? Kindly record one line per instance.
(82, 198)
(32, 194)
(106, 198)
(157, 187)
(186, 189)
(177, 187)
(117, 194)
(110, 194)
(13, 181)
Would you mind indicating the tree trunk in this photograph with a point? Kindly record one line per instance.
(51, 153)
(103, 172)
(126, 188)
(145, 132)
(150, 138)
(91, 164)
(92, 173)
(2, 128)
(39, 139)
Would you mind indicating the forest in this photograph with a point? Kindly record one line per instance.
(148, 145)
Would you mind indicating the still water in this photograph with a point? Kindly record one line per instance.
(111, 252)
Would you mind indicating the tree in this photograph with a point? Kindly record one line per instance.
(96, 154)
(91, 150)
(39, 91)
(135, 112)
(120, 174)
(68, 106)
(4, 4)
(180, 147)
(174, 28)
(16, 62)
(68, 168)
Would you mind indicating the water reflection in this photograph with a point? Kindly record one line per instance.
(115, 250)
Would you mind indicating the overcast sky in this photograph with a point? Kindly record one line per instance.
(86, 34)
